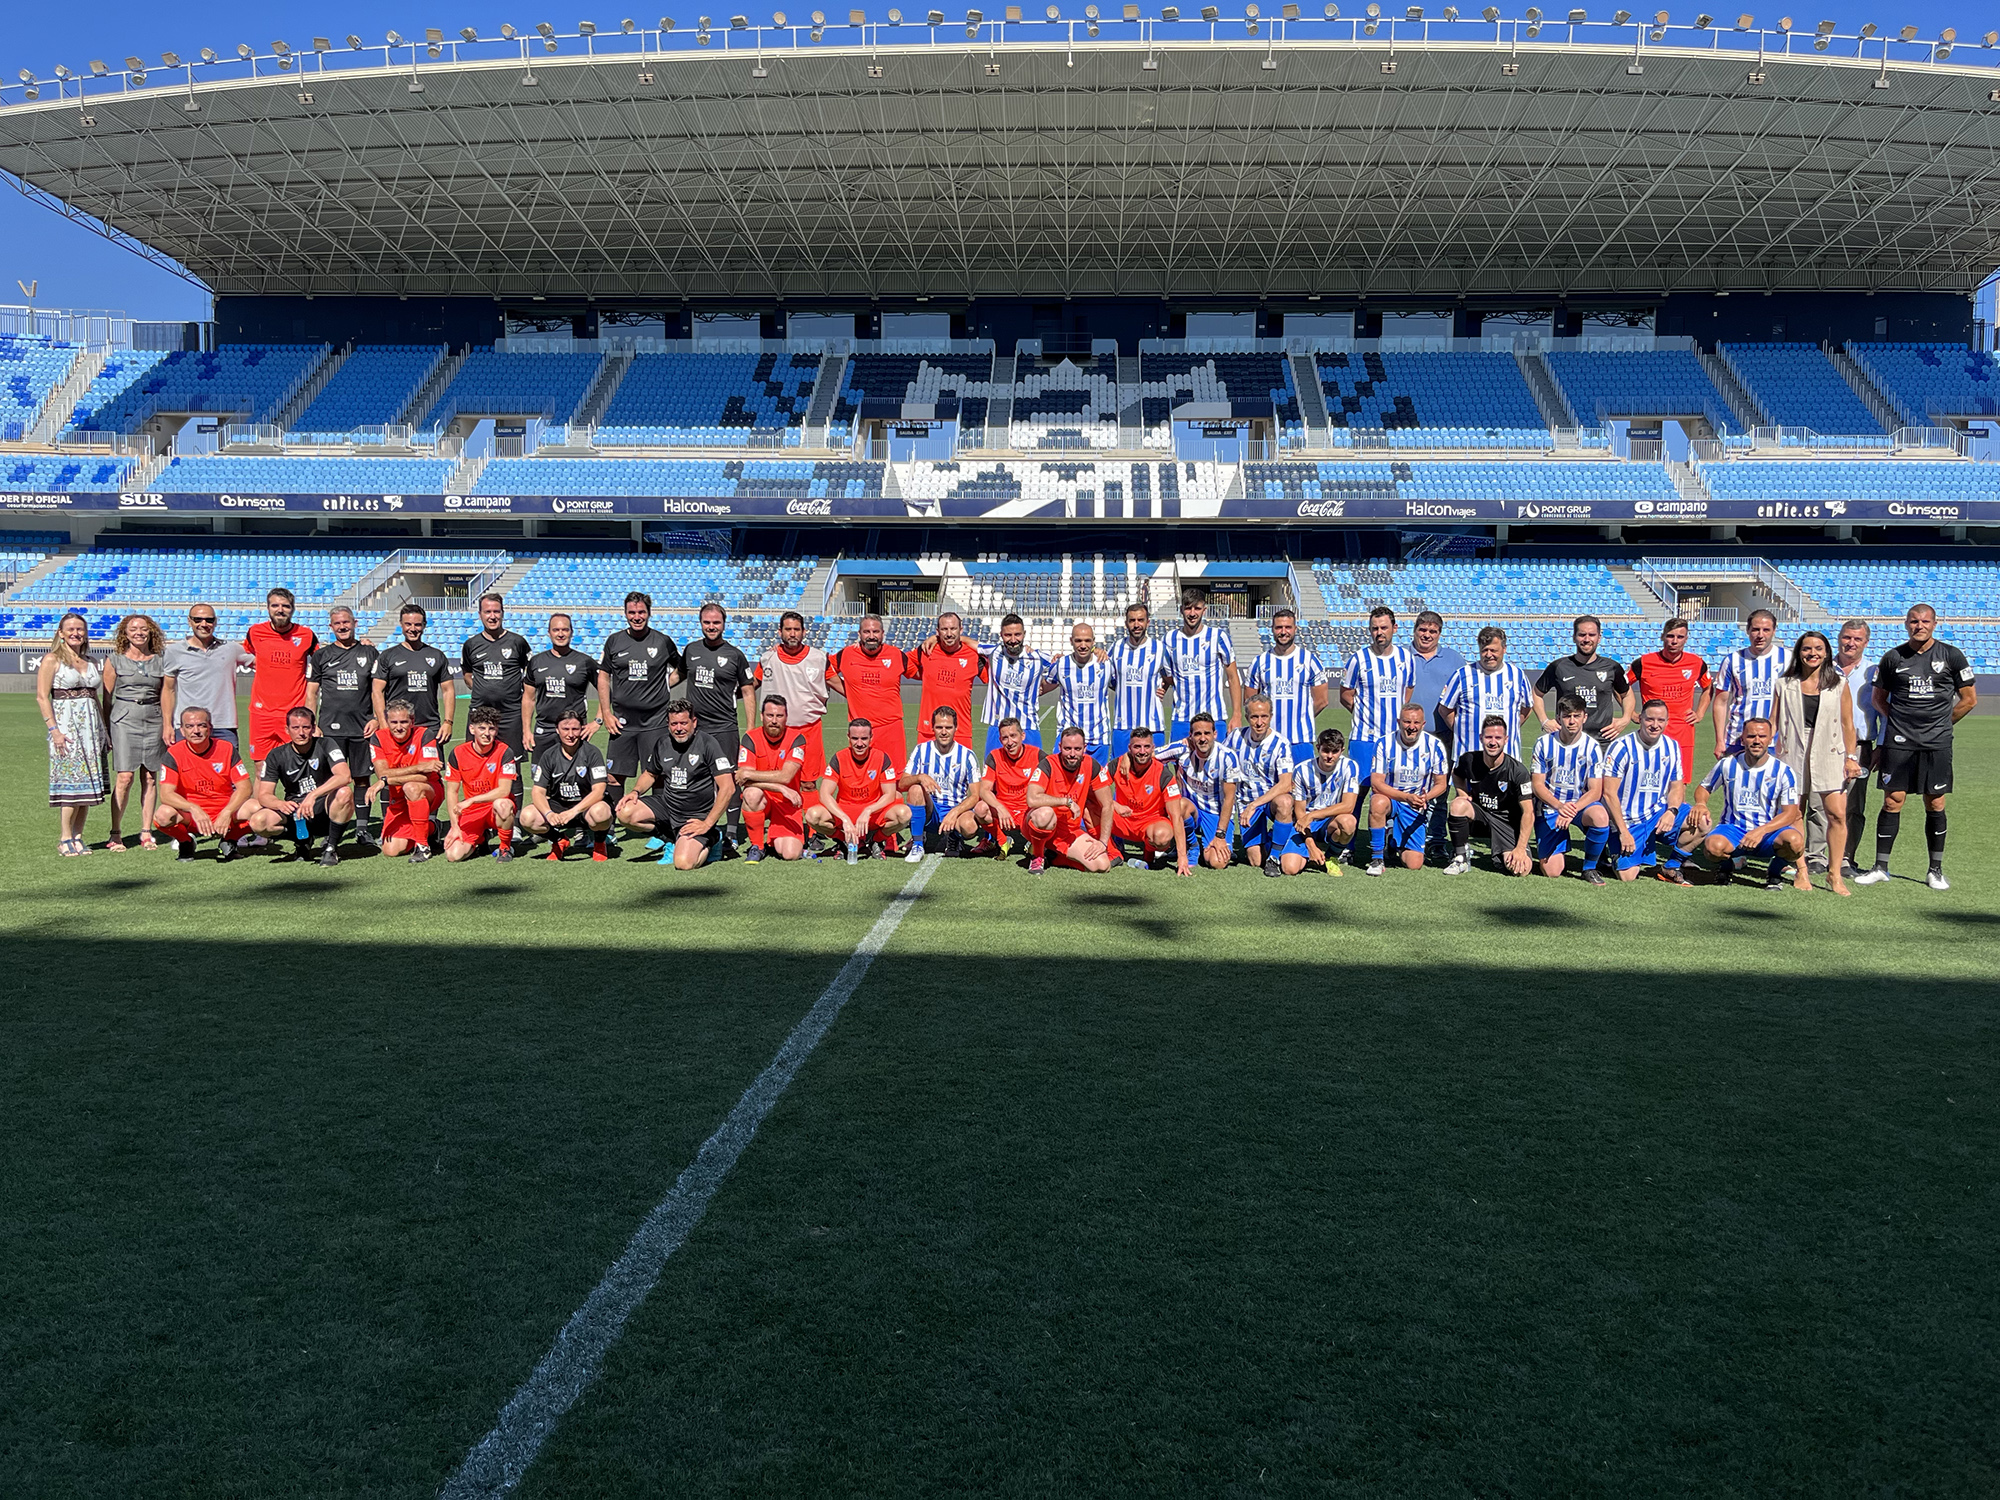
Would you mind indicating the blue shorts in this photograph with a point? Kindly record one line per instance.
(1736, 833)
(1032, 736)
(1202, 829)
(1551, 839)
(1303, 752)
(1100, 755)
(1257, 832)
(1121, 740)
(1653, 840)
(1405, 826)
(1362, 753)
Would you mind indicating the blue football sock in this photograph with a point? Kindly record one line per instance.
(1594, 840)
(1378, 839)
(920, 821)
(1284, 840)
(1778, 863)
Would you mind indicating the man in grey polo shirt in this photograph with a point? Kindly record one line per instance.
(201, 673)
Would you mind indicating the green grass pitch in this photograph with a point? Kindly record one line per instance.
(1413, 1186)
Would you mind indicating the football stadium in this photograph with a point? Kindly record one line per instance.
(1165, 750)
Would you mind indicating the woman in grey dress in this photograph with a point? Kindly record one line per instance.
(133, 677)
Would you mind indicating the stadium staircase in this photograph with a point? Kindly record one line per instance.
(603, 386)
(1000, 401)
(1742, 405)
(1870, 393)
(64, 554)
(146, 470)
(1131, 405)
(826, 395)
(1650, 604)
(1247, 642)
(1549, 398)
(433, 387)
(1687, 480)
(1312, 401)
(316, 377)
(61, 405)
(817, 586)
(466, 476)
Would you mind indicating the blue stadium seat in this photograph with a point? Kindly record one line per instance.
(30, 369)
(370, 389)
(695, 399)
(1924, 382)
(241, 382)
(1798, 386)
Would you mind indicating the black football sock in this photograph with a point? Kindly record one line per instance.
(1461, 836)
(334, 833)
(1887, 826)
(1934, 835)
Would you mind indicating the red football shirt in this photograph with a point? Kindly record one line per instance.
(205, 780)
(874, 684)
(278, 684)
(1674, 683)
(1009, 777)
(1145, 794)
(1055, 781)
(759, 754)
(478, 774)
(420, 749)
(948, 678)
(860, 783)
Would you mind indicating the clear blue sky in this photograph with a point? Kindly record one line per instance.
(76, 268)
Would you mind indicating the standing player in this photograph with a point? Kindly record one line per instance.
(417, 675)
(1291, 676)
(941, 786)
(857, 796)
(1595, 680)
(1060, 792)
(1203, 663)
(1678, 678)
(1569, 786)
(1857, 669)
(1324, 792)
(1491, 687)
(203, 788)
(1143, 805)
(303, 789)
(1644, 779)
(1760, 807)
(1209, 777)
(948, 665)
(685, 783)
(1016, 676)
(560, 679)
(1411, 772)
(1138, 670)
(636, 673)
(1083, 683)
(1747, 682)
(1265, 759)
(494, 663)
(407, 765)
(1922, 689)
(283, 653)
(566, 791)
(1373, 690)
(1002, 809)
(795, 674)
(479, 781)
(770, 776)
(1495, 788)
(720, 683)
(340, 688)
(869, 675)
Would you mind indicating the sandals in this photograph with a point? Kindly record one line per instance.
(71, 848)
(114, 844)
(147, 841)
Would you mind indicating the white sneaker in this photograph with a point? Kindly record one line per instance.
(915, 856)
(1376, 867)
(1936, 881)
(1458, 866)
(1873, 876)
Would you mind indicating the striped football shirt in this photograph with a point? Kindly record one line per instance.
(1137, 673)
(1568, 768)
(1197, 661)
(1014, 685)
(1084, 697)
(1752, 795)
(1751, 682)
(1202, 782)
(1412, 769)
(1261, 764)
(953, 770)
(1476, 693)
(1380, 682)
(1314, 788)
(1644, 773)
(1288, 678)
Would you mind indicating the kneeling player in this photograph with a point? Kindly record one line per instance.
(1265, 813)
(406, 782)
(1058, 797)
(1760, 797)
(566, 801)
(1145, 807)
(1569, 789)
(1325, 792)
(479, 790)
(203, 788)
(857, 796)
(1644, 778)
(1409, 774)
(685, 784)
(769, 765)
(1002, 808)
(941, 786)
(305, 789)
(1499, 791)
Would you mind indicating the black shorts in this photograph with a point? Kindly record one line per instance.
(1501, 834)
(625, 752)
(318, 826)
(667, 819)
(360, 757)
(1913, 768)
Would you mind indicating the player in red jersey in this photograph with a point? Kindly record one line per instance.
(769, 766)
(1002, 808)
(1678, 678)
(948, 665)
(203, 788)
(869, 674)
(479, 789)
(1143, 804)
(857, 795)
(278, 685)
(1060, 792)
(406, 782)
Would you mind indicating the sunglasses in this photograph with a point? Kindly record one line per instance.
(201, 619)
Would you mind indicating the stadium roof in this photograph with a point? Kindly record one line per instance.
(1281, 160)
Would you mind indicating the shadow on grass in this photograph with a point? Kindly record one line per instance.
(1965, 918)
(1533, 916)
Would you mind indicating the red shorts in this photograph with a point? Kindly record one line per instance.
(237, 828)
(782, 818)
(815, 766)
(267, 732)
(878, 823)
(1683, 735)
(474, 823)
(396, 820)
(1126, 830)
(1018, 811)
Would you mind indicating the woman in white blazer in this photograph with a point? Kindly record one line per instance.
(1812, 719)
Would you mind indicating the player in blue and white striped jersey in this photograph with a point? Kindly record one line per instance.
(1747, 681)
(1138, 673)
(1411, 772)
(1209, 776)
(1016, 674)
(1325, 791)
(1083, 683)
(1292, 677)
(1374, 688)
(939, 786)
(1203, 663)
(1760, 807)
(1569, 788)
(1643, 783)
(1491, 685)
(1265, 759)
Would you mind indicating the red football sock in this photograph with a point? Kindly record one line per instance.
(505, 837)
(754, 820)
(420, 810)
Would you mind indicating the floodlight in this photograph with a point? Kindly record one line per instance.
(1053, 13)
(62, 72)
(860, 17)
(1991, 39)
(1491, 13)
(1659, 18)
(26, 76)
(1414, 13)
(666, 23)
(171, 59)
(97, 68)
(1451, 12)
(1657, 34)
(1943, 51)
(1949, 34)
(1577, 18)
(1701, 23)
(1534, 14)
(31, 94)
(1785, 24)
(133, 65)
(1374, 11)
(545, 29)
(973, 17)
(819, 19)
(433, 35)
(627, 25)
(1825, 28)
(586, 28)
(320, 44)
(549, 44)
(468, 34)
(395, 40)
(1867, 30)
(1210, 13)
(1619, 18)
(1170, 13)
(1331, 12)
(1091, 28)
(739, 23)
(1908, 34)
(353, 41)
(935, 17)
(895, 18)
(1088, 10)
(1290, 12)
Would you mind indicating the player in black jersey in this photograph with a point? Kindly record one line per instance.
(718, 677)
(636, 672)
(566, 799)
(340, 688)
(685, 783)
(419, 675)
(495, 665)
(1499, 791)
(304, 790)
(1596, 679)
(1922, 689)
(560, 679)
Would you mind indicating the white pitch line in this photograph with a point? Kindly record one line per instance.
(497, 1461)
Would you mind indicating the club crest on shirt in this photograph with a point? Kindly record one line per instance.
(570, 670)
(1937, 663)
(1601, 676)
(1686, 673)
(652, 650)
